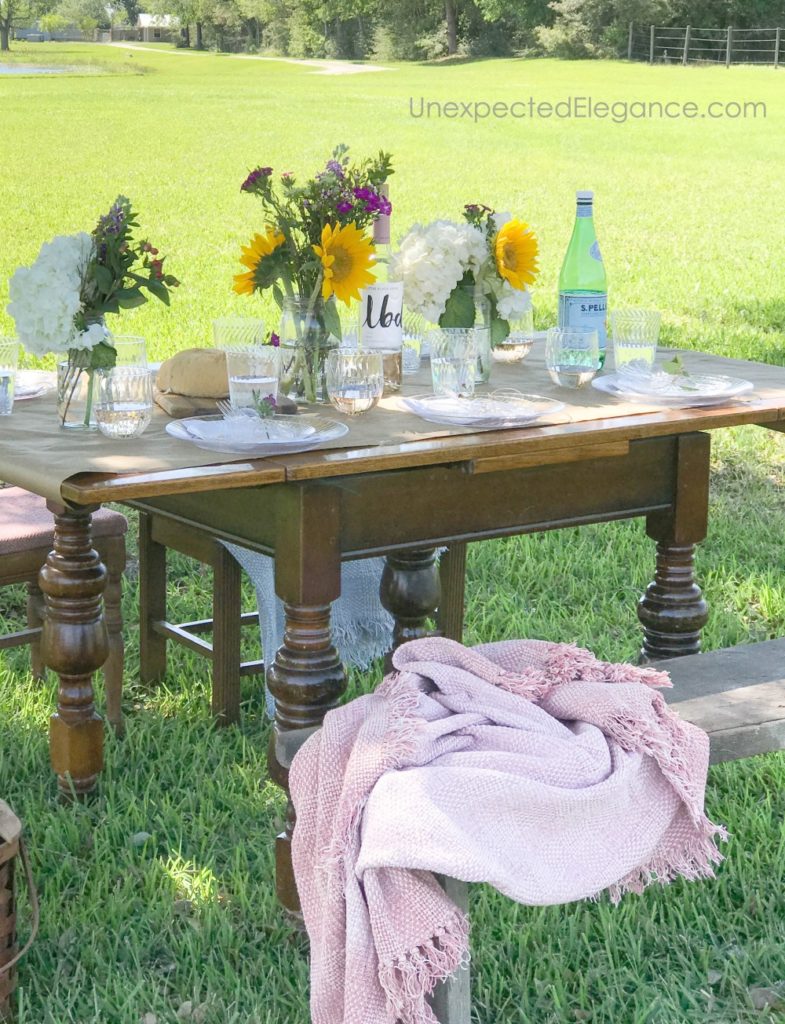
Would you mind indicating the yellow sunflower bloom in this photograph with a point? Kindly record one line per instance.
(516, 251)
(346, 255)
(252, 255)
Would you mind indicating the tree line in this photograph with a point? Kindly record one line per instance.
(409, 29)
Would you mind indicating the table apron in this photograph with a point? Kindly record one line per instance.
(426, 506)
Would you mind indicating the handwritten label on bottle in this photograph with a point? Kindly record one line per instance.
(381, 316)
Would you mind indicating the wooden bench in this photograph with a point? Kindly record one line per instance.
(737, 695)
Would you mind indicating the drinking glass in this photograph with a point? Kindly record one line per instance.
(572, 355)
(238, 331)
(453, 361)
(131, 350)
(125, 401)
(517, 345)
(253, 374)
(9, 361)
(355, 380)
(412, 343)
(635, 333)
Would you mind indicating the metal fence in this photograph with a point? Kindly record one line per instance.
(691, 45)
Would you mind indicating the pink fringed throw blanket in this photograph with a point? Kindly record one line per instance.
(529, 765)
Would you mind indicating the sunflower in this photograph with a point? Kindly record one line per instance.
(252, 255)
(516, 252)
(346, 255)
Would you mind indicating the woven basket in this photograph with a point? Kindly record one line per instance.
(11, 852)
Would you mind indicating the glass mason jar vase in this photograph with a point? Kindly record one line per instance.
(306, 341)
(76, 394)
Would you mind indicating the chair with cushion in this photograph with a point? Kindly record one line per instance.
(26, 538)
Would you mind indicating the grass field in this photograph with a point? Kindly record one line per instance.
(690, 219)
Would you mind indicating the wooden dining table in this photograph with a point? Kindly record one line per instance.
(397, 486)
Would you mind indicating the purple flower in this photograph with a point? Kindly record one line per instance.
(275, 341)
(344, 206)
(373, 201)
(254, 177)
(336, 168)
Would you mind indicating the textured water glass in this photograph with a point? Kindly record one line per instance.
(9, 361)
(254, 373)
(453, 361)
(517, 345)
(125, 401)
(238, 331)
(572, 355)
(131, 350)
(411, 356)
(635, 333)
(355, 380)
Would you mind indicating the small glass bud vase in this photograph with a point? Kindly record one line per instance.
(76, 397)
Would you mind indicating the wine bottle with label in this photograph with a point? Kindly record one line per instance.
(583, 286)
(381, 308)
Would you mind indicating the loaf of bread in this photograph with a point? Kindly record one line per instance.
(196, 373)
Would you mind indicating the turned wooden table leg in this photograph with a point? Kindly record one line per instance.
(410, 591)
(673, 611)
(307, 678)
(74, 644)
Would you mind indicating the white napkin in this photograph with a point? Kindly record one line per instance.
(249, 430)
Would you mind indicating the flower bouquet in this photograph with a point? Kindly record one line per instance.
(315, 250)
(455, 274)
(59, 303)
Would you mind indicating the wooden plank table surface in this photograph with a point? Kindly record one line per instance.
(314, 509)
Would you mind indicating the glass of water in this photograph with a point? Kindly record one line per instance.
(131, 350)
(9, 361)
(635, 333)
(125, 401)
(453, 361)
(238, 331)
(517, 345)
(572, 355)
(253, 374)
(355, 380)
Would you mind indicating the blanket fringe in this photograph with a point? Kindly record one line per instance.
(408, 979)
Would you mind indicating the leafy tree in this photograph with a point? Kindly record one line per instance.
(13, 12)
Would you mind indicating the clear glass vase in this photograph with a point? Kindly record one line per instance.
(306, 341)
(482, 329)
(76, 394)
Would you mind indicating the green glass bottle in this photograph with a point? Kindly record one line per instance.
(583, 286)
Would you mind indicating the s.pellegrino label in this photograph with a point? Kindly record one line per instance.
(583, 285)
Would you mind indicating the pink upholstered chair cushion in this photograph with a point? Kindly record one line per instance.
(26, 523)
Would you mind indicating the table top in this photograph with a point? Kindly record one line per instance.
(594, 423)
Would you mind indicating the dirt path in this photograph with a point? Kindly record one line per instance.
(323, 67)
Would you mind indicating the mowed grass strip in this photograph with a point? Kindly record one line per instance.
(158, 892)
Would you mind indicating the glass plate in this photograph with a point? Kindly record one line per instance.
(681, 399)
(668, 385)
(33, 384)
(325, 430)
(487, 411)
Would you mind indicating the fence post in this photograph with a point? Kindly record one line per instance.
(686, 45)
(729, 46)
(629, 41)
(651, 44)
(777, 42)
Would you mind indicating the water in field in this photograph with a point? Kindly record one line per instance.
(31, 69)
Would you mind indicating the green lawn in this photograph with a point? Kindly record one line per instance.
(689, 214)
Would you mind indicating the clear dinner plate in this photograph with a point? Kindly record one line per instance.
(323, 430)
(486, 411)
(702, 391)
(33, 384)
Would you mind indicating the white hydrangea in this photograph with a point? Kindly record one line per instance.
(45, 297)
(432, 260)
(512, 303)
